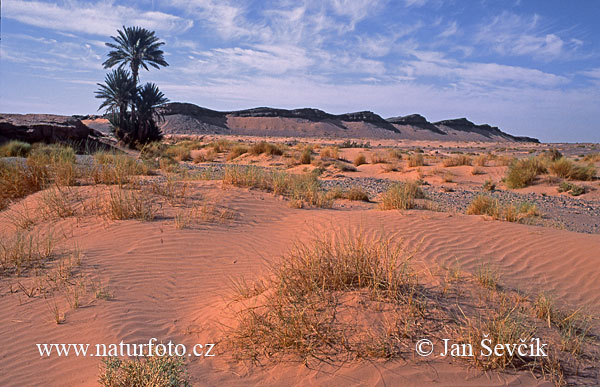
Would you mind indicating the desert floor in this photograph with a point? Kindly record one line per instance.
(171, 277)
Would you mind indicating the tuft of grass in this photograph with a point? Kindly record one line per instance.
(401, 196)
(572, 189)
(487, 276)
(179, 152)
(297, 312)
(15, 148)
(18, 180)
(567, 169)
(331, 152)
(360, 159)
(23, 251)
(237, 151)
(489, 185)
(354, 193)
(300, 188)
(416, 160)
(116, 168)
(378, 158)
(306, 156)
(267, 148)
(457, 161)
(163, 371)
(523, 172)
(56, 203)
(124, 204)
(484, 205)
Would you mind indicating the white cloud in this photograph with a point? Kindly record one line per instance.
(452, 29)
(511, 34)
(102, 18)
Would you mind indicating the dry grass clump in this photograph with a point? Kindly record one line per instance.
(360, 159)
(378, 158)
(306, 155)
(159, 371)
(296, 311)
(332, 152)
(486, 205)
(15, 148)
(346, 296)
(300, 188)
(567, 169)
(124, 204)
(482, 159)
(179, 152)
(401, 196)
(57, 202)
(523, 172)
(23, 251)
(18, 180)
(116, 168)
(354, 193)
(416, 160)
(457, 161)
(592, 158)
(56, 161)
(237, 151)
(207, 156)
(221, 145)
(266, 148)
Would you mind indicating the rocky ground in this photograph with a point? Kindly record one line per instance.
(564, 212)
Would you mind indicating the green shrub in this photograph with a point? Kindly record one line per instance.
(15, 149)
(523, 172)
(401, 196)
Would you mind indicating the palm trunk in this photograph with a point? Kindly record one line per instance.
(135, 130)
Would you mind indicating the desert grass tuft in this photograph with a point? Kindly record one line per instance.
(360, 159)
(416, 160)
(401, 196)
(457, 161)
(144, 371)
(124, 204)
(523, 172)
(15, 148)
(266, 148)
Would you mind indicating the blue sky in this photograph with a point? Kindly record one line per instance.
(530, 67)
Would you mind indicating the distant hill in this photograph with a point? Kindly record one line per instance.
(187, 118)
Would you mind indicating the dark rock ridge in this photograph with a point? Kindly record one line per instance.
(184, 117)
(417, 121)
(464, 125)
(47, 128)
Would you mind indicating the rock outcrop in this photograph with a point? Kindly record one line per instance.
(47, 128)
(186, 118)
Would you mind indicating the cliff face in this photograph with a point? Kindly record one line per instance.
(185, 118)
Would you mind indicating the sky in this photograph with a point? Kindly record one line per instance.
(530, 67)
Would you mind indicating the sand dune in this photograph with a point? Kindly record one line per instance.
(171, 284)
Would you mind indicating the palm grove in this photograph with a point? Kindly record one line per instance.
(133, 108)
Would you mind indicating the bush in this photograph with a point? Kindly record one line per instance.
(330, 152)
(360, 159)
(237, 151)
(523, 172)
(553, 154)
(306, 156)
(300, 188)
(15, 149)
(158, 371)
(457, 161)
(179, 152)
(153, 151)
(416, 160)
(572, 189)
(267, 148)
(401, 196)
(484, 205)
(567, 169)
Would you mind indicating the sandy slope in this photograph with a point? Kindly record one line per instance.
(172, 284)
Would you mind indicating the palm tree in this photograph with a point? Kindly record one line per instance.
(135, 47)
(149, 100)
(118, 92)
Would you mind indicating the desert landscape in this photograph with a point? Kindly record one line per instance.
(332, 193)
(194, 240)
